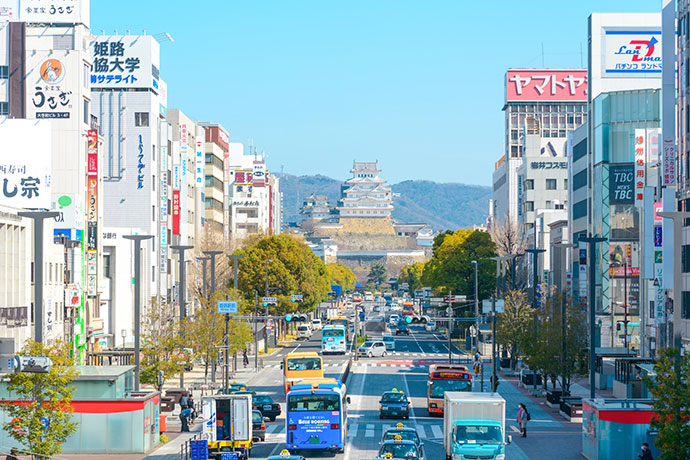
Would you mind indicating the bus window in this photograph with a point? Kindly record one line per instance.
(314, 403)
(303, 364)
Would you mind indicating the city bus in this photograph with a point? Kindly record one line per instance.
(341, 321)
(442, 378)
(316, 416)
(333, 339)
(300, 365)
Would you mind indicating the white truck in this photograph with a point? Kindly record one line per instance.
(474, 426)
(227, 424)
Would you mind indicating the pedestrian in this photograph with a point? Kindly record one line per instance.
(184, 401)
(646, 453)
(245, 359)
(184, 419)
(522, 418)
(190, 405)
(13, 454)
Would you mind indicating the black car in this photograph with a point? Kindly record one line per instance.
(394, 404)
(258, 426)
(402, 328)
(266, 405)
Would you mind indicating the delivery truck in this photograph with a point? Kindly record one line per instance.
(227, 424)
(474, 426)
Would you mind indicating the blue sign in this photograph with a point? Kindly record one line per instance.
(45, 422)
(657, 236)
(227, 306)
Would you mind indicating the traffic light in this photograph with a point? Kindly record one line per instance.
(288, 318)
(296, 298)
(408, 319)
(270, 304)
(618, 327)
(34, 364)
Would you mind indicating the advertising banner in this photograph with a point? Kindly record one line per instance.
(92, 160)
(640, 156)
(52, 85)
(92, 200)
(183, 138)
(668, 97)
(175, 212)
(200, 173)
(634, 52)
(45, 11)
(621, 183)
(25, 163)
(541, 85)
(130, 61)
(259, 174)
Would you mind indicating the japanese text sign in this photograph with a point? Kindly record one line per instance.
(640, 153)
(92, 155)
(175, 212)
(200, 173)
(45, 11)
(51, 81)
(25, 163)
(621, 183)
(125, 62)
(524, 85)
(635, 53)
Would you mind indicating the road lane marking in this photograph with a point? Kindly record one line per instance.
(409, 395)
(436, 432)
(421, 431)
(357, 406)
(352, 432)
(514, 428)
(369, 433)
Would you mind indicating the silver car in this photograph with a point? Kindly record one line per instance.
(372, 348)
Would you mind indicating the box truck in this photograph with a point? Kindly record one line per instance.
(474, 426)
(227, 424)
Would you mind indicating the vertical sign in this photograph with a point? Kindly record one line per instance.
(659, 298)
(199, 160)
(582, 275)
(640, 153)
(176, 212)
(668, 94)
(92, 214)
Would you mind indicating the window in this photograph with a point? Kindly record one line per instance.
(580, 209)
(685, 258)
(87, 76)
(529, 206)
(106, 265)
(685, 307)
(565, 184)
(529, 184)
(4, 71)
(548, 204)
(550, 184)
(651, 309)
(141, 119)
(4, 108)
(580, 180)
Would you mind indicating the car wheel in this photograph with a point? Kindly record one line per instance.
(273, 419)
(369, 355)
(384, 353)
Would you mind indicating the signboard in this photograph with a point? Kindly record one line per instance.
(486, 306)
(632, 53)
(659, 297)
(259, 174)
(175, 212)
(92, 155)
(52, 85)
(92, 200)
(91, 262)
(269, 299)
(71, 212)
(621, 183)
(25, 162)
(140, 163)
(548, 164)
(200, 173)
(244, 177)
(541, 85)
(45, 11)
(130, 61)
(640, 154)
(184, 135)
(227, 306)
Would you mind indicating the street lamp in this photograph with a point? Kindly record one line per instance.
(234, 258)
(494, 378)
(476, 304)
(212, 255)
(265, 328)
(123, 334)
(565, 247)
(204, 261)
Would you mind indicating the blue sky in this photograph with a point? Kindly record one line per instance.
(417, 85)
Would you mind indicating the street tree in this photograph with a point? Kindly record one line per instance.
(509, 241)
(671, 403)
(377, 274)
(513, 324)
(342, 276)
(42, 420)
(162, 344)
(412, 275)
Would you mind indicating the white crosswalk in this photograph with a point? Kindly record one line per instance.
(370, 430)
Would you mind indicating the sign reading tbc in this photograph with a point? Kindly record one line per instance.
(621, 183)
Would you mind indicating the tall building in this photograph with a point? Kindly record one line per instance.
(365, 194)
(216, 153)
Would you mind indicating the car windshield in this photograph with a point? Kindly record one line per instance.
(393, 397)
(302, 328)
(367, 344)
(314, 403)
(303, 364)
(399, 450)
(439, 387)
(333, 333)
(478, 434)
(388, 338)
(256, 417)
(407, 435)
(262, 399)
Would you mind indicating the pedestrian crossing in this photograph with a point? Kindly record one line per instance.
(428, 430)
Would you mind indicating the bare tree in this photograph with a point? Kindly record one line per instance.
(510, 240)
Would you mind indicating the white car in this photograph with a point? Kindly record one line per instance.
(372, 348)
(316, 324)
(303, 332)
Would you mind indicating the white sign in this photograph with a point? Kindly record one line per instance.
(640, 154)
(259, 174)
(668, 98)
(582, 281)
(25, 161)
(269, 299)
(70, 209)
(486, 306)
(130, 61)
(45, 11)
(52, 84)
(184, 135)
(634, 53)
(200, 173)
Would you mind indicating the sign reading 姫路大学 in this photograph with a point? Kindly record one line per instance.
(129, 61)
(25, 162)
(634, 52)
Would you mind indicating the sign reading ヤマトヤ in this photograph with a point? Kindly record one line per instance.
(129, 61)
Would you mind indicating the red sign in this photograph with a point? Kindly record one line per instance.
(540, 85)
(92, 157)
(176, 212)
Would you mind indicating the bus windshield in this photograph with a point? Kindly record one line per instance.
(478, 434)
(303, 364)
(333, 333)
(314, 403)
(439, 387)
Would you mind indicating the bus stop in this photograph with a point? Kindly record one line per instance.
(605, 369)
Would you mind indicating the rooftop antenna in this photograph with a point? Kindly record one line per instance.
(581, 58)
(542, 54)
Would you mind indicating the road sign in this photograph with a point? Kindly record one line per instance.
(45, 422)
(449, 298)
(436, 299)
(227, 306)
(486, 306)
(296, 297)
(269, 299)
(449, 310)
(269, 323)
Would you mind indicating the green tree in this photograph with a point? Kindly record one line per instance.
(342, 276)
(44, 396)
(412, 275)
(162, 345)
(377, 274)
(513, 324)
(671, 402)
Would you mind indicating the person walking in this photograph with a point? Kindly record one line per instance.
(190, 405)
(184, 419)
(522, 418)
(245, 359)
(646, 453)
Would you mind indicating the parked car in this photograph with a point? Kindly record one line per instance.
(372, 348)
(258, 426)
(266, 405)
(389, 340)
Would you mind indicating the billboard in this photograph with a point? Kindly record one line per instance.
(633, 52)
(621, 183)
(45, 11)
(259, 174)
(25, 162)
(175, 212)
(52, 84)
(541, 85)
(199, 163)
(129, 61)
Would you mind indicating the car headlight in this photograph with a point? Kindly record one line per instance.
(500, 457)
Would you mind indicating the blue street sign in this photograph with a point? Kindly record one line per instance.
(45, 422)
(227, 306)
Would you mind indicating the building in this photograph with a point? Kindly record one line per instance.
(316, 207)
(365, 194)
(216, 153)
(546, 102)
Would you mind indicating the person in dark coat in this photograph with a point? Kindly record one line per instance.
(184, 402)
(522, 419)
(646, 453)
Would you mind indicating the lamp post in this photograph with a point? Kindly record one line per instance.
(182, 294)
(499, 262)
(265, 328)
(476, 304)
(591, 248)
(565, 247)
(234, 258)
(204, 261)
(212, 255)
(38, 218)
(137, 302)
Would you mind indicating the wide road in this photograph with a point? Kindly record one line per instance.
(406, 369)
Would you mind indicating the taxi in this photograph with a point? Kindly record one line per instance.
(285, 455)
(399, 448)
(233, 387)
(407, 434)
(394, 403)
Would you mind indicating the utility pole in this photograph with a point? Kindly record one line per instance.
(234, 258)
(591, 249)
(38, 217)
(203, 261)
(137, 302)
(182, 295)
(266, 294)
(476, 303)
(449, 310)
